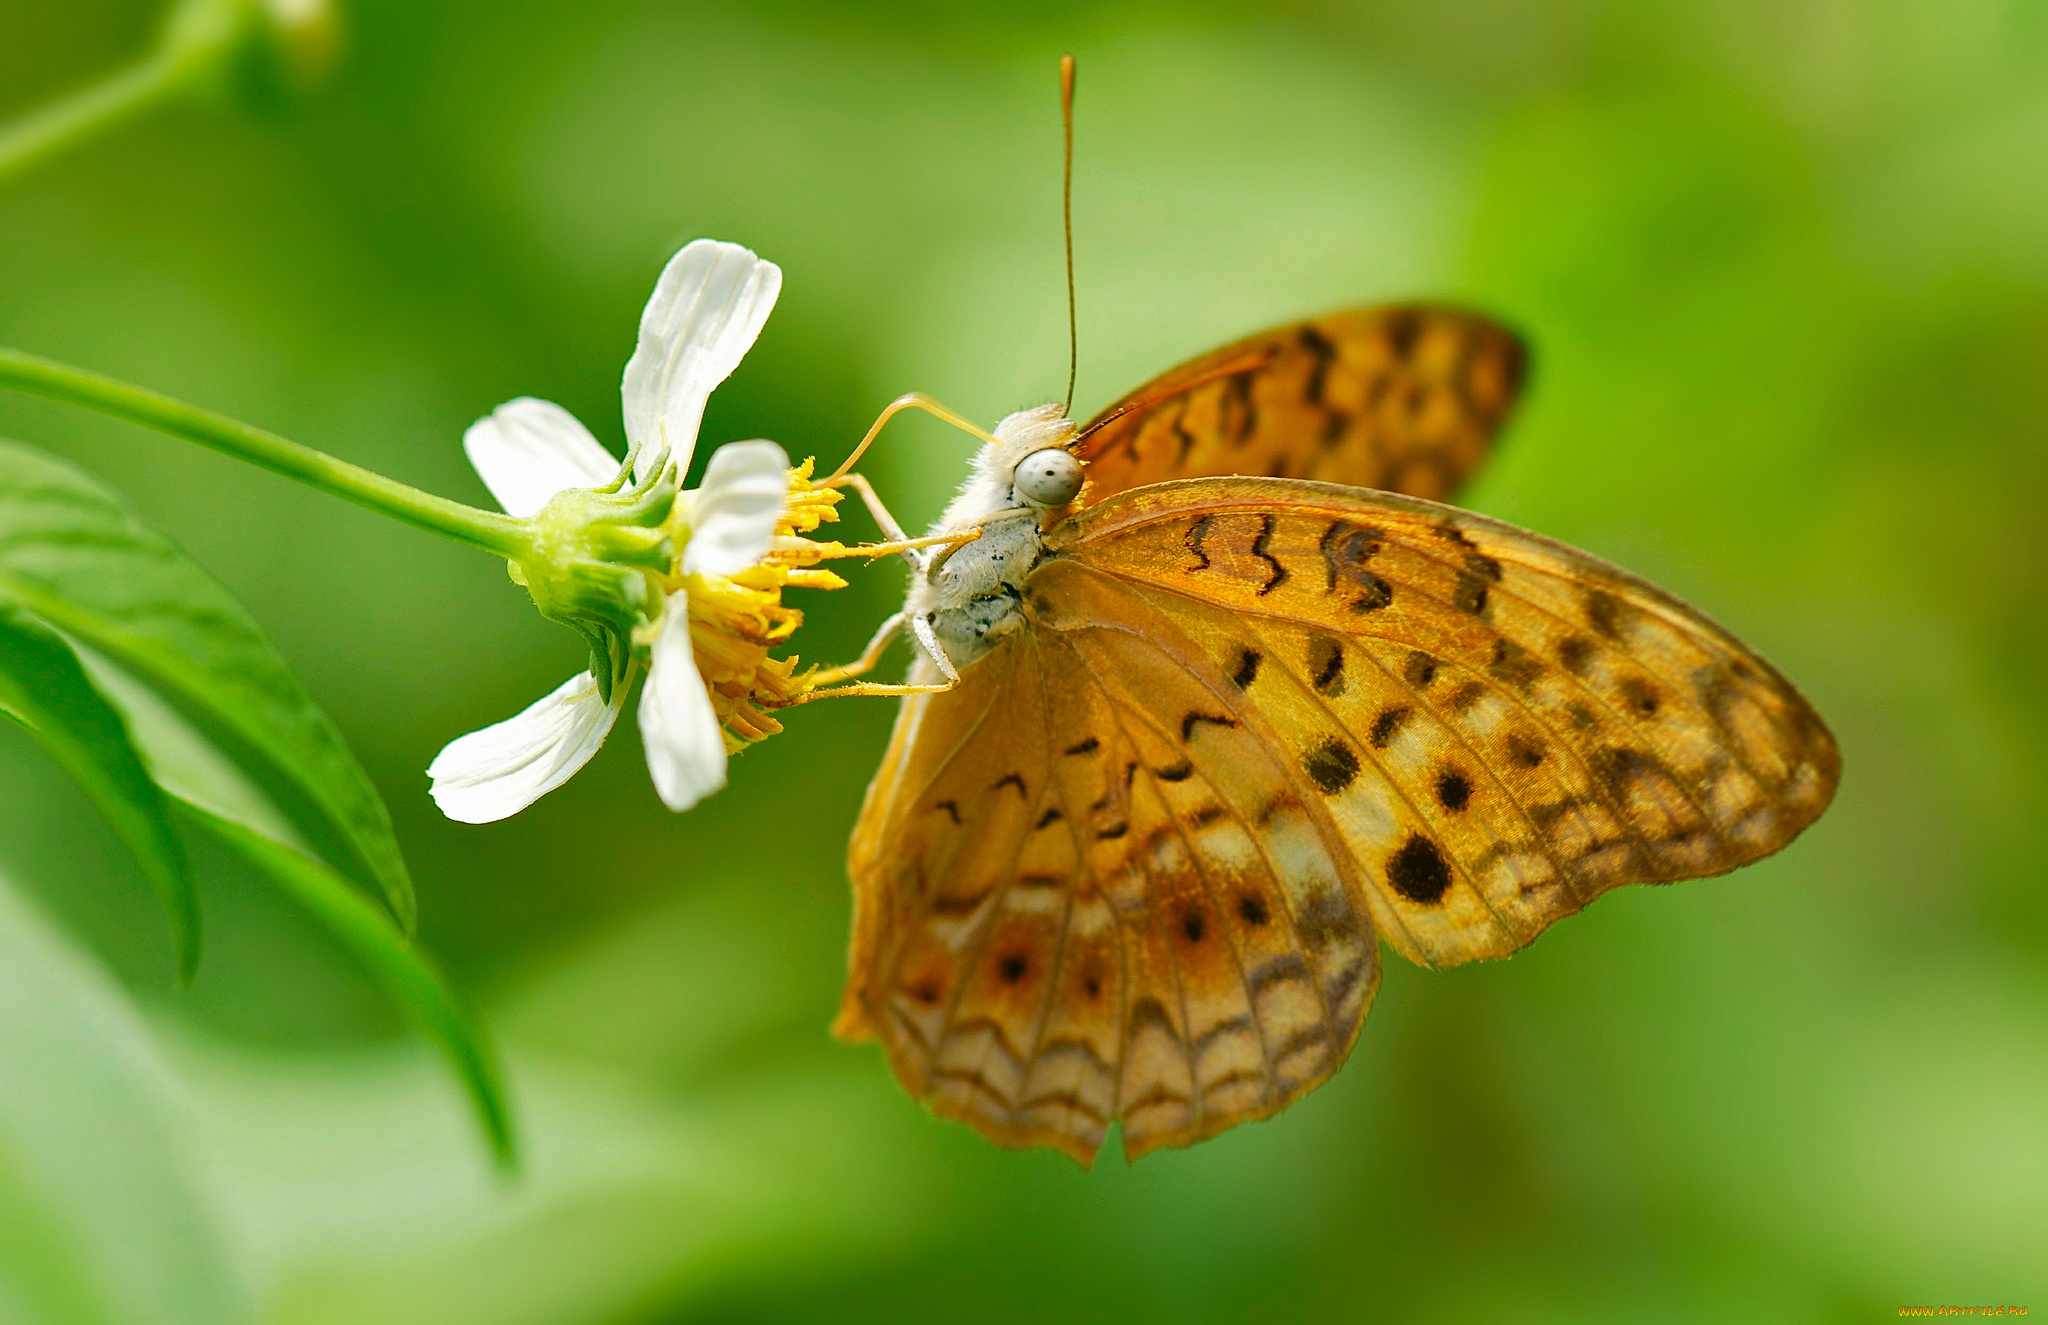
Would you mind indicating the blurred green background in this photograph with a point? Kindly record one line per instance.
(1785, 271)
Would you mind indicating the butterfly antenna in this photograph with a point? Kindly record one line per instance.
(1067, 221)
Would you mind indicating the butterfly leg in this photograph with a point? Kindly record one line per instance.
(929, 638)
(911, 400)
(858, 482)
(898, 541)
(823, 687)
(885, 634)
(903, 545)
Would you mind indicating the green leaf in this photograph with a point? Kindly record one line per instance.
(43, 687)
(75, 555)
(208, 790)
(403, 971)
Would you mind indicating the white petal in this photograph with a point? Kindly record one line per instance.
(705, 312)
(500, 770)
(746, 488)
(685, 748)
(528, 450)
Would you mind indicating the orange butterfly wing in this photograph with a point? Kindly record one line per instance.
(1133, 866)
(1405, 398)
(1065, 914)
(1503, 727)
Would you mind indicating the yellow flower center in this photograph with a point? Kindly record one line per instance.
(735, 620)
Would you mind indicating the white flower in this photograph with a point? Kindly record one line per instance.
(705, 313)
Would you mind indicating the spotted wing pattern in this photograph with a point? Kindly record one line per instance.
(1133, 866)
(1500, 727)
(1074, 903)
(1405, 398)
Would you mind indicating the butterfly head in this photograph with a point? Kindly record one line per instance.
(1029, 464)
(1031, 460)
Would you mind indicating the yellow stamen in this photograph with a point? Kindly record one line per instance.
(735, 621)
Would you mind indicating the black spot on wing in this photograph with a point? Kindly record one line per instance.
(1419, 872)
(1642, 697)
(1322, 354)
(1150, 1011)
(1180, 432)
(952, 809)
(1346, 548)
(1374, 593)
(1576, 653)
(1011, 780)
(1193, 720)
(1476, 562)
(1513, 664)
(1453, 789)
(1087, 746)
(955, 905)
(1469, 594)
(1180, 771)
(1388, 725)
(1049, 818)
(1197, 532)
(1247, 668)
(1325, 916)
(1278, 575)
(1404, 327)
(1606, 613)
(1238, 393)
(1283, 969)
(1279, 805)
(1419, 670)
(1012, 968)
(1331, 766)
(1326, 665)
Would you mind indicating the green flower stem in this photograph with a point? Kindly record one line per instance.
(48, 130)
(197, 38)
(500, 535)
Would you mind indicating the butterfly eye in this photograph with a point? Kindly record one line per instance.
(1051, 477)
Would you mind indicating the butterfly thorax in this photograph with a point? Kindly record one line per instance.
(972, 597)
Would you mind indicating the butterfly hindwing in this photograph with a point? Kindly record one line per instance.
(1405, 397)
(1498, 727)
(1074, 906)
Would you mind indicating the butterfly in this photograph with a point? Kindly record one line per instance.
(1187, 743)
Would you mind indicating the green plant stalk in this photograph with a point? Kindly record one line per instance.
(196, 43)
(49, 130)
(492, 532)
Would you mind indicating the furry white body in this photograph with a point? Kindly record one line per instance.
(962, 603)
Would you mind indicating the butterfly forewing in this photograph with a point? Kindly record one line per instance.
(1405, 397)
(1499, 728)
